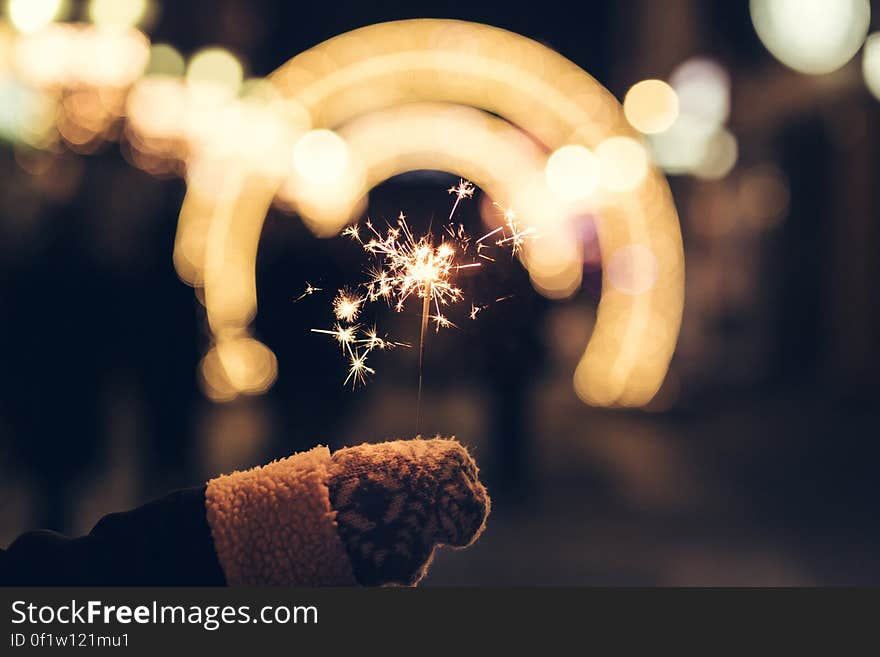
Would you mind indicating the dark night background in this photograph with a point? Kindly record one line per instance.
(756, 465)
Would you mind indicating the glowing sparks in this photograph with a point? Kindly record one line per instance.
(310, 290)
(372, 341)
(349, 337)
(344, 335)
(407, 265)
(358, 369)
(514, 236)
(353, 232)
(441, 321)
(346, 306)
(464, 189)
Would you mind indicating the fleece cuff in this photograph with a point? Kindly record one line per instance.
(273, 525)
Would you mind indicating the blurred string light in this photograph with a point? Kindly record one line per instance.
(812, 36)
(353, 86)
(871, 64)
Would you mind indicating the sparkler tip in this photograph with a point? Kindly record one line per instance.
(410, 266)
(464, 189)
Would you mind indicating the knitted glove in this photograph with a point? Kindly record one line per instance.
(397, 501)
(370, 514)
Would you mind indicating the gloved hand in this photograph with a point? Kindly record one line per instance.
(371, 514)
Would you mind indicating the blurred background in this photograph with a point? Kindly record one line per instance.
(756, 462)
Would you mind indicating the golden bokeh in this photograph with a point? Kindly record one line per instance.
(355, 86)
(651, 106)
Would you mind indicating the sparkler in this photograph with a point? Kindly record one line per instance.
(406, 266)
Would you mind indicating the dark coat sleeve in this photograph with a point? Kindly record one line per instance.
(164, 543)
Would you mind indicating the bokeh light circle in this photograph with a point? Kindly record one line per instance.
(651, 106)
(871, 64)
(703, 89)
(812, 36)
